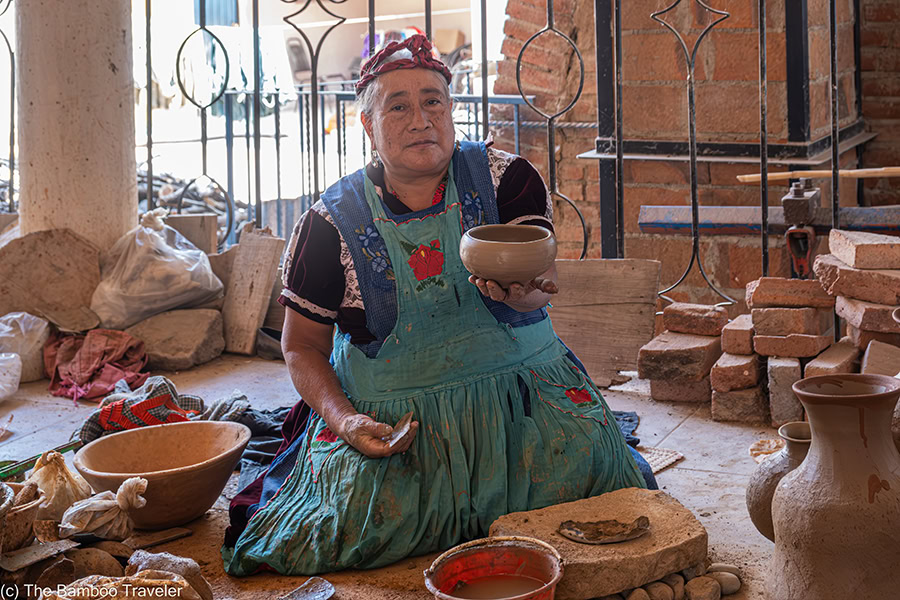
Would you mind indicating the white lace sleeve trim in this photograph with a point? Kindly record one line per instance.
(499, 161)
(307, 305)
(352, 296)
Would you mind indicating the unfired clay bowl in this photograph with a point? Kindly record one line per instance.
(19, 522)
(508, 253)
(186, 466)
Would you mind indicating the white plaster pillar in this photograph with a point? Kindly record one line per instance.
(76, 118)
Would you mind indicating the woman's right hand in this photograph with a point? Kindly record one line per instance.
(365, 434)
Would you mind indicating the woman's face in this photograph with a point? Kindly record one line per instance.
(410, 126)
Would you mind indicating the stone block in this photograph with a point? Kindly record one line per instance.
(734, 372)
(862, 337)
(839, 279)
(867, 315)
(842, 357)
(795, 345)
(680, 390)
(865, 250)
(774, 292)
(678, 356)
(676, 541)
(181, 339)
(745, 406)
(881, 359)
(737, 336)
(785, 321)
(783, 404)
(698, 319)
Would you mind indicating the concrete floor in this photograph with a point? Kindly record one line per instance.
(710, 481)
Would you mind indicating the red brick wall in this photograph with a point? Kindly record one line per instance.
(655, 107)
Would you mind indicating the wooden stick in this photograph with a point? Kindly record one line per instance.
(823, 174)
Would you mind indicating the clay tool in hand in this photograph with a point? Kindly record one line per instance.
(400, 430)
(604, 532)
(315, 588)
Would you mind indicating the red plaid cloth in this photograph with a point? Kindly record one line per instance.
(422, 57)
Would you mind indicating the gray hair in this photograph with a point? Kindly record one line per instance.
(365, 100)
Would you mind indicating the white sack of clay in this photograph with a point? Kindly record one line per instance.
(62, 487)
(105, 515)
(10, 373)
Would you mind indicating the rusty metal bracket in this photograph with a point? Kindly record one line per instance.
(801, 241)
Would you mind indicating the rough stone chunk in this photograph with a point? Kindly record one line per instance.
(703, 588)
(796, 345)
(881, 359)
(676, 541)
(659, 591)
(839, 279)
(737, 336)
(728, 582)
(725, 568)
(842, 357)
(861, 337)
(744, 406)
(734, 372)
(638, 594)
(678, 390)
(867, 315)
(694, 571)
(181, 339)
(783, 404)
(676, 582)
(774, 292)
(698, 319)
(865, 250)
(678, 356)
(785, 321)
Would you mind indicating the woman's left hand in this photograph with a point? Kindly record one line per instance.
(516, 291)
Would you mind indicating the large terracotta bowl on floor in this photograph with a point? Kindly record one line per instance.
(186, 466)
(508, 253)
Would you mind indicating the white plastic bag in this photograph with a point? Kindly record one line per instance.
(62, 487)
(10, 373)
(105, 514)
(25, 335)
(149, 270)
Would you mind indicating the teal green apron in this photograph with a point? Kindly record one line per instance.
(507, 423)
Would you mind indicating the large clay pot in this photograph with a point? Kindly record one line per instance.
(508, 253)
(772, 470)
(837, 515)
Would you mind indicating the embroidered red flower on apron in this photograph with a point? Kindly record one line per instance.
(578, 396)
(327, 436)
(427, 261)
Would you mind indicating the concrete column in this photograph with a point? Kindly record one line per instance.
(76, 118)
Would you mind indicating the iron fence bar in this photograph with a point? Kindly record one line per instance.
(428, 19)
(203, 141)
(371, 16)
(484, 67)
(324, 149)
(301, 110)
(229, 154)
(338, 130)
(620, 136)
(151, 203)
(606, 125)
(247, 113)
(835, 119)
(257, 84)
(343, 139)
(763, 139)
(516, 122)
(797, 57)
(279, 226)
(12, 117)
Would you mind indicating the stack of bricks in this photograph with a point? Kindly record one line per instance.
(862, 273)
(678, 361)
(739, 392)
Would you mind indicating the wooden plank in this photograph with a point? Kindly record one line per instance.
(222, 264)
(250, 288)
(608, 281)
(29, 555)
(201, 230)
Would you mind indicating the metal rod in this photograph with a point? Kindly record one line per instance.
(796, 26)
(371, 27)
(257, 83)
(763, 140)
(301, 110)
(516, 121)
(204, 142)
(620, 136)
(835, 119)
(278, 207)
(12, 127)
(324, 137)
(484, 68)
(229, 153)
(151, 203)
(428, 19)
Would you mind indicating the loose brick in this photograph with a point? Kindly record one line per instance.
(745, 406)
(865, 250)
(795, 345)
(734, 372)
(785, 321)
(842, 357)
(881, 359)
(839, 279)
(737, 336)
(677, 390)
(783, 404)
(867, 315)
(774, 292)
(861, 337)
(678, 356)
(698, 319)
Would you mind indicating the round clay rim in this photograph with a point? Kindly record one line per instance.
(793, 425)
(79, 462)
(547, 234)
(891, 383)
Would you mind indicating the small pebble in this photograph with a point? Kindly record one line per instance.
(659, 591)
(703, 588)
(676, 582)
(638, 594)
(724, 568)
(729, 582)
(695, 571)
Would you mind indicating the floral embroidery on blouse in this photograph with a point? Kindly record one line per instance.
(375, 251)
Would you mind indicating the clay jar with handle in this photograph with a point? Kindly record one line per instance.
(837, 515)
(772, 470)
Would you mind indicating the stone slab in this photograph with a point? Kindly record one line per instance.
(737, 336)
(839, 279)
(785, 321)
(678, 390)
(774, 292)
(867, 315)
(676, 541)
(181, 339)
(861, 337)
(865, 250)
(734, 372)
(881, 359)
(841, 357)
(744, 406)
(796, 345)
(698, 319)
(673, 355)
(783, 404)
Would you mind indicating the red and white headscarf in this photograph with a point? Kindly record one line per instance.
(422, 57)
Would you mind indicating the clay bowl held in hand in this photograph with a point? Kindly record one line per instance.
(508, 253)
(186, 466)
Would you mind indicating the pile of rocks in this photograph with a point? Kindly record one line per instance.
(697, 583)
(678, 361)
